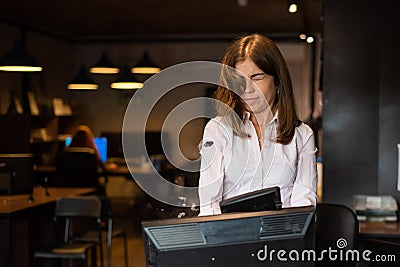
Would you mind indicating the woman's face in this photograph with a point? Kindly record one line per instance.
(260, 90)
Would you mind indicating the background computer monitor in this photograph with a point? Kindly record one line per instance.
(231, 239)
(152, 141)
(101, 145)
(114, 144)
(259, 200)
(16, 174)
(15, 134)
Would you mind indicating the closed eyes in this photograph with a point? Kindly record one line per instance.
(258, 76)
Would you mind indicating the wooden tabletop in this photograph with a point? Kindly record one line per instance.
(380, 229)
(110, 169)
(12, 204)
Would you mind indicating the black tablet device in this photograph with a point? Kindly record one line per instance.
(259, 200)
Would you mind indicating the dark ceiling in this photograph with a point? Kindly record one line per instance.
(80, 20)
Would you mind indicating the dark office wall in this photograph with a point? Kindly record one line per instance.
(389, 99)
(361, 109)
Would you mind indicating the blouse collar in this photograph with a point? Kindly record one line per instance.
(274, 118)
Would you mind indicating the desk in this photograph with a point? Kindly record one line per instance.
(26, 225)
(11, 205)
(50, 172)
(110, 170)
(381, 238)
(379, 230)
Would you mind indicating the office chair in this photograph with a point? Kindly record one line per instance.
(108, 234)
(389, 249)
(72, 208)
(336, 227)
(78, 167)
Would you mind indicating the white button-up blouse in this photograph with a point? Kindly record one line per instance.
(233, 165)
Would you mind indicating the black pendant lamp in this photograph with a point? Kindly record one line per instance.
(104, 66)
(126, 80)
(18, 59)
(82, 81)
(145, 65)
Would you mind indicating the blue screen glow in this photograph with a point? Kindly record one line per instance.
(101, 145)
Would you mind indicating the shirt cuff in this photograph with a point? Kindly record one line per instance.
(210, 210)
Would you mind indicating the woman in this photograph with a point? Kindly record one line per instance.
(257, 140)
(84, 137)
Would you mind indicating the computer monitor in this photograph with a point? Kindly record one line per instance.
(153, 143)
(16, 174)
(101, 145)
(232, 239)
(259, 200)
(15, 134)
(114, 144)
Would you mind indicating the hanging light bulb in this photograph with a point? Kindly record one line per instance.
(104, 66)
(145, 65)
(310, 39)
(19, 60)
(126, 80)
(82, 81)
(292, 6)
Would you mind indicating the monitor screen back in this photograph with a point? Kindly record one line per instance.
(16, 174)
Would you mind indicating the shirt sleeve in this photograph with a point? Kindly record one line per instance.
(211, 169)
(305, 184)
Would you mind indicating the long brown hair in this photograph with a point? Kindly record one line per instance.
(266, 55)
(84, 137)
